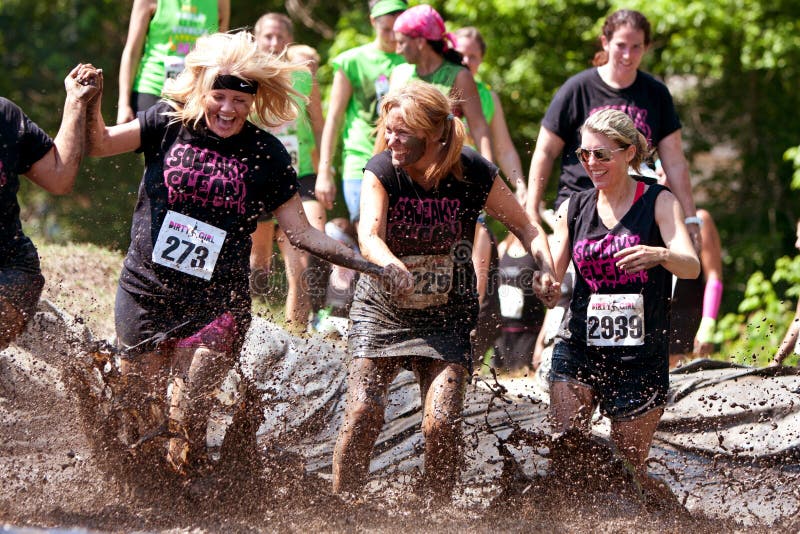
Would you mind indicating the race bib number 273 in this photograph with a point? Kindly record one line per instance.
(188, 245)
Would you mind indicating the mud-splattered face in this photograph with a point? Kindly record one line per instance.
(226, 111)
(407, 147)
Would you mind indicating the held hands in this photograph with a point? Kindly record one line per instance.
(547, 288)
(640, 258)
(84, 82)
(397, 280)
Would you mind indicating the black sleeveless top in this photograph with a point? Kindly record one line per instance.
(593, 247)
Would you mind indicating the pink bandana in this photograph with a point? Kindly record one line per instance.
(424, 21)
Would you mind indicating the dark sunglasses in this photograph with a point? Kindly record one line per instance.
(600, 154)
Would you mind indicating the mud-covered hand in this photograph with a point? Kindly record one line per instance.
(84, 82)
(640, 258)
(397, 280)
(547, 288)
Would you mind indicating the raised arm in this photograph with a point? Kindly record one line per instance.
(548, 147)
(104, 141)
(471, 105)
(341, 91)
(55, 172)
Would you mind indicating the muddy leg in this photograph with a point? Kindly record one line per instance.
(12, 322)
(443, 386)
(367, 388)
(633, 439)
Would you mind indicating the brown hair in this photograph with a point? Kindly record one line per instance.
(426, 109)
(277, 17)
(622, 17)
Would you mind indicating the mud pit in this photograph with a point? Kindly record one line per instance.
(727, 447)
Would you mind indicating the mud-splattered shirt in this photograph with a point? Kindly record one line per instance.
(219, 186)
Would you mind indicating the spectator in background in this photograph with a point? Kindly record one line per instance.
(360, 79)
(274, 33)
(160, 34)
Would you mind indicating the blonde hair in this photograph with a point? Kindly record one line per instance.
(236, 54)
(303, 54)
(618, 126)
(425, 109)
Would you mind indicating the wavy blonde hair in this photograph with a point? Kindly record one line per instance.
(426, 110)
(237, 54)
(618, 126)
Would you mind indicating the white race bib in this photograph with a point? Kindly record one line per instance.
(511, 301)
(173, 65)
(615, 320)
(292, 146)
(433, 280)
(188, 245)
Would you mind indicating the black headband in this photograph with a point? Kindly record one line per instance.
(234, 83)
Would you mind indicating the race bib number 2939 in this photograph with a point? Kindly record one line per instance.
(188, 245)
(615, 320)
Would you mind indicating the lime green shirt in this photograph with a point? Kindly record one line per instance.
(172, 32)
(367, 68)
(487, 101)
(443, 78)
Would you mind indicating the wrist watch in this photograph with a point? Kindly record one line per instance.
(693, 220)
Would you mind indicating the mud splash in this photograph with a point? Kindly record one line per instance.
(61, 467)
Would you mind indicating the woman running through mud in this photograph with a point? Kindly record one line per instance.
(626, 239)
(183, 302)
(422, 193)
(52, 164)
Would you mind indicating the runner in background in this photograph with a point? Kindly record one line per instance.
(52, 164)
(695, 302)
(470, 44)
(274, 32)
(791, 341)
(421, 166)
(160, 34)
(615, 82)
(183, 302)
(361, 78)
(626, 240)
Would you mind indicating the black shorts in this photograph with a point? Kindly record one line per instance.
(624, 389)
(21, 289)
(306, 191)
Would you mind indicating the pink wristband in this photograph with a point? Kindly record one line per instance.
(712, 297)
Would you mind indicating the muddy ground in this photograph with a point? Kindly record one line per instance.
(56, 473)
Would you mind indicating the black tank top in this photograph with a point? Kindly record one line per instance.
(593, 247)
(519, 305)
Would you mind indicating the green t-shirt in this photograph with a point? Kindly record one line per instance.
(367, 68)
(443, 78)
(298, 135)
(172, 32)
(487, 102)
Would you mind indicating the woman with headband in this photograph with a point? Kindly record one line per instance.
(183, 302)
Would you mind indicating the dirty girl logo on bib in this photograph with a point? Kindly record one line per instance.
(204, 177)
(596, 263)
